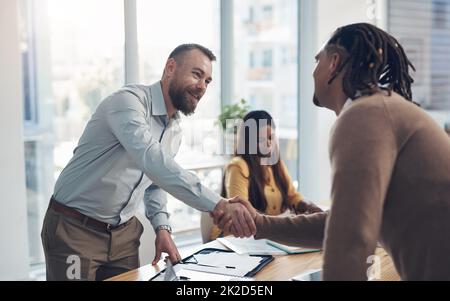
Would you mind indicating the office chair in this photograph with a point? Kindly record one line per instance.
(206, 223)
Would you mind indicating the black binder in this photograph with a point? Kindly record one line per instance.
(265, 259)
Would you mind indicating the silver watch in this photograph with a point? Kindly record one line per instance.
(164, 227)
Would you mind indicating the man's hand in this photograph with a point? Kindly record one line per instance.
(164, 243)
(306, 207)
(253, 213)
(232, 212)
(247, 206)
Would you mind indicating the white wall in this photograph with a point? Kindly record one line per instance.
(14, 262)
(319, 20)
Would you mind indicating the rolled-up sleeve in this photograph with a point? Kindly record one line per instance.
(125, 116)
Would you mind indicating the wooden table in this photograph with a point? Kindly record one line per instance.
(280, 269)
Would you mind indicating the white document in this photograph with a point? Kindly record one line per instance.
(238, 272)
(250, 246)
(220, 265)
(226, 263)
(223, 267)
(225, 259)
(291, 250)
(190, 275)
(170, 274)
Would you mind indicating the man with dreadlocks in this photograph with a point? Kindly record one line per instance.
(390, 166)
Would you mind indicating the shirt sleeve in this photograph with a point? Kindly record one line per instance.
(125, 116)
(155, 201)
(363, 152)
(305, 231)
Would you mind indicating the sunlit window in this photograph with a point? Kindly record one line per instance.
(73, 54)
(162, 26)
(423, 28)
(265, 68)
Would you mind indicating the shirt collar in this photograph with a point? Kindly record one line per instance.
(158, 104)
(347, 103)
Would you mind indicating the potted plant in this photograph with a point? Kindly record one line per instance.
(231, 113)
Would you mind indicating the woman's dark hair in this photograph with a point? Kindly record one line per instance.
(257, 172)
(373, 60)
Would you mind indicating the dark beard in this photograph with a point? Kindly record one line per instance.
(316, 101)
(179, 100)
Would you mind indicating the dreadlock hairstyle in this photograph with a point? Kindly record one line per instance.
(376, 61)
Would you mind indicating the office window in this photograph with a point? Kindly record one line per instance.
(73, 54)
(440, 14)
(251, 14)
(252, 60)
(267, 12)
(270, 82)
(163, 25)
(267, 58)
(423, 28)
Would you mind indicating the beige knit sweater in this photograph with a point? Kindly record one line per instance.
(390, 183)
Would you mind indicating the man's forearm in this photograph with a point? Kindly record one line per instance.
(301, 230)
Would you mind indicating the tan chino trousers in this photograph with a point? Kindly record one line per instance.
(75, 251)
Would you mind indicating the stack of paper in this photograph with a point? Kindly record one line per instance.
(191, 275)
(291, 250)
(228, 260)
(252, 246)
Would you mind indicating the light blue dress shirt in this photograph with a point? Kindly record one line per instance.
(124, 155)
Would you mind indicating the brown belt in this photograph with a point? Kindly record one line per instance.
(68, 211)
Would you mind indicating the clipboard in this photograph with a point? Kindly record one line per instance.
(190, 260)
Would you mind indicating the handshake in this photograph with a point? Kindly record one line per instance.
(236, 216)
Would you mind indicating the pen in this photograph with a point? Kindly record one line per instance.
(184, 278)
(229, 267)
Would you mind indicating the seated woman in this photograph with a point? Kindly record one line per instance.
(256, 173)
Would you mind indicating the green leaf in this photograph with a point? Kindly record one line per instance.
(233, 111)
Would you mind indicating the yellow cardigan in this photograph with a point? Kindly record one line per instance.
(237, 183)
